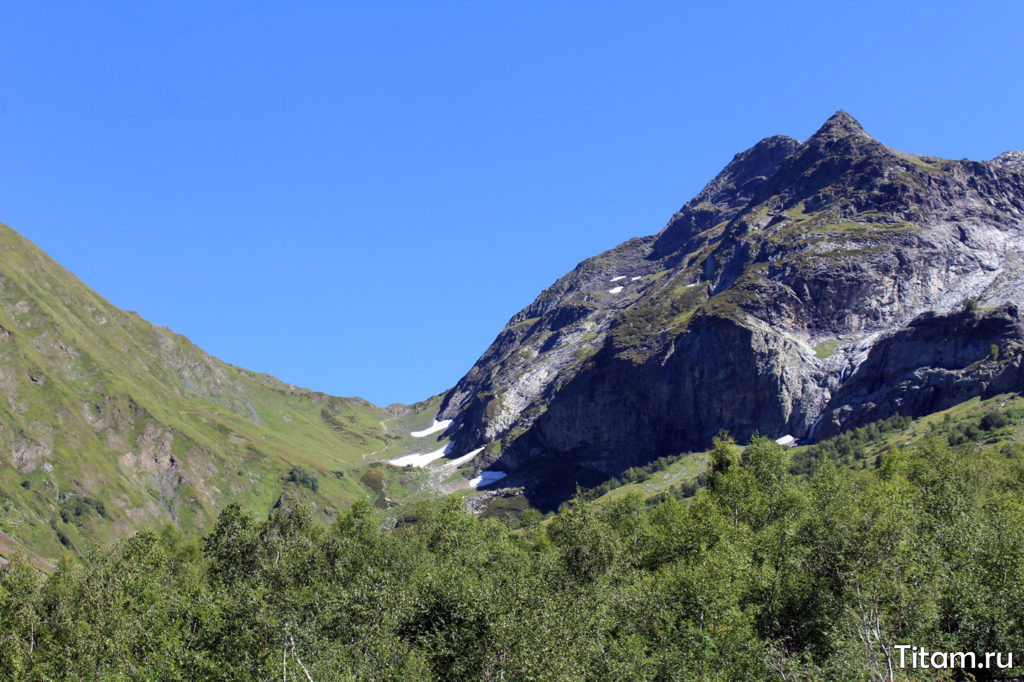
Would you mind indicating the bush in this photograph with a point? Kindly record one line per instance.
(849, 446)
(63, 537)
(303, 477)
(993, 420)
(764, 575)
(78, 506)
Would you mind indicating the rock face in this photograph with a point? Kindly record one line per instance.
(1012, 160)
(934, 363)
(808, 288)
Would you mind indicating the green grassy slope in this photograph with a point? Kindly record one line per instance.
(989, 422)
(109, 423)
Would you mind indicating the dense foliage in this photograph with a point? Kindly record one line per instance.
(849, 447)
(762, 575)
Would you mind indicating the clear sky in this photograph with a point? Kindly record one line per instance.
(355, 197)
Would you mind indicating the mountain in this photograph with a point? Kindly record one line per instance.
(807, 289)
(810, 288)
(109, 423)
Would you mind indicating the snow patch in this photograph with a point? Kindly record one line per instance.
(786, 440)
(421, 459)
(616, 279)
(614, 290)
(459, 461)
(486, 478)
(433, 428)
(633, 279)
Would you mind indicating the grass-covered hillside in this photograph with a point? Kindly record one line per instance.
(109, 424)
(985, 423)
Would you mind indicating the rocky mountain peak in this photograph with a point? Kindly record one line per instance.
(754, 308)
(840, 125)
(1014, 160)
(783, 172)
(747, 170)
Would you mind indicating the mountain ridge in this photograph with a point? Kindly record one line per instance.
(808, 288)
(109, 423)
(837, 240)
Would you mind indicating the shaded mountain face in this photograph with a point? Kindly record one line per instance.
(109, 423)
(808, 288)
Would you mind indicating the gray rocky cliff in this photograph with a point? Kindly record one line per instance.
(1014, 160)
(935, 362)
(762, 306)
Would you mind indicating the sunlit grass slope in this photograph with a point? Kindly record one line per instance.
(109, 423)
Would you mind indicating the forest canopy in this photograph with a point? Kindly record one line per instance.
(763, 574)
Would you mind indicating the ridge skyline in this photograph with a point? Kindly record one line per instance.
(280, 205)
(839, 125)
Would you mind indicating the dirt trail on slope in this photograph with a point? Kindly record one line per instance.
(8, 546)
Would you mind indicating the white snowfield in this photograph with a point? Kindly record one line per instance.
(633, 279)
(433, 428)
(459, 461)
(785, 440)
(614, 290)
(421, 459)
(486, 478)
(616, 279)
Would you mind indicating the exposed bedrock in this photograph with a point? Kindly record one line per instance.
(934, 363)
(808, 288)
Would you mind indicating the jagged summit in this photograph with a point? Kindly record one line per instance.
(752, 311)
(838, 126)
(781, 172)
(1014, 160)
(842, 136)
(769, 155)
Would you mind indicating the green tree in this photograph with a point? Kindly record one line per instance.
(19, 619)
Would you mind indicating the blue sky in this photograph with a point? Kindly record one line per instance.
(355, 197)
